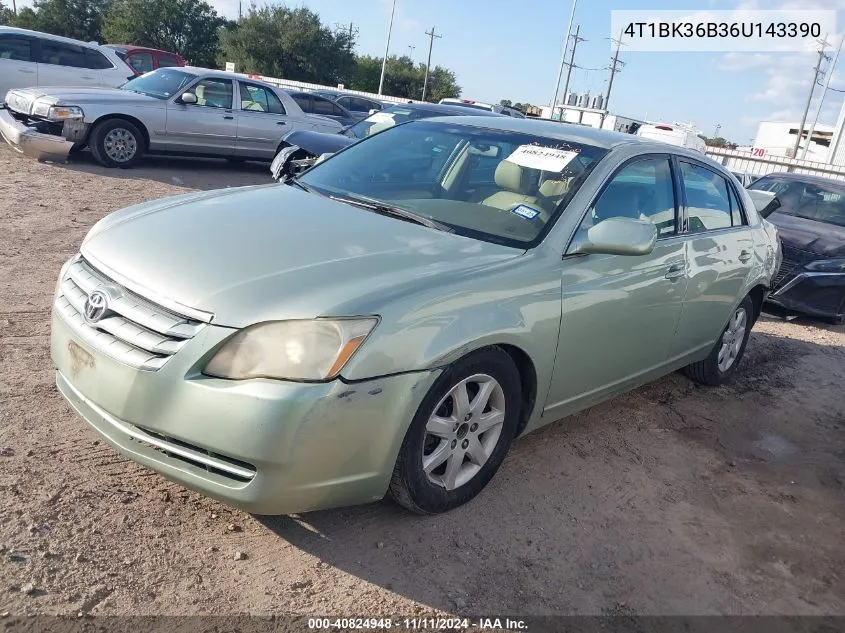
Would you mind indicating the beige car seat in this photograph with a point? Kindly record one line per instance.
(199, 91)
(516, 183)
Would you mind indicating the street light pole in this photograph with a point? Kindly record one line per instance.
(386, 49)
(563, 57)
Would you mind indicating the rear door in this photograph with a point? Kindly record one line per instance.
(262, 121)
(64, 64)
(720, 251)
(208, 126)
(18, 68)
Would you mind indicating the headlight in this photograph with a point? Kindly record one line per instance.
(314, 350)
(827, 266)
(63, 113)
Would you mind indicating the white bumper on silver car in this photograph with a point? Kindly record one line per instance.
(30, 142)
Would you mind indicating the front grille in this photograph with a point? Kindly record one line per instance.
(793, 259)
(133, 331)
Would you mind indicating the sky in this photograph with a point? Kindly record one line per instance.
(505, 49)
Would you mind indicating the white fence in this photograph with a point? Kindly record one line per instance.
(290, 84)
(758, 163)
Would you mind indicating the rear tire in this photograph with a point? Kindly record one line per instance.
(459, 435)
(117, 143)
(721, 364)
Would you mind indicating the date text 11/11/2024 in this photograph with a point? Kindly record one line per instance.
(418, 624)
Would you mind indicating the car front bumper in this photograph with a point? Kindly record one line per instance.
(265, 446)
(813, 294)
(30, 142)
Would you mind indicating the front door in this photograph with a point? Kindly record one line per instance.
(620, 313)
(208, 126)
(720, 255)
(262, 121)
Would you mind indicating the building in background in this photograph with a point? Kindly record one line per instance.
(777, 138)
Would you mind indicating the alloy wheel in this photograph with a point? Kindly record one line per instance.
(120, 145)
(732, 340)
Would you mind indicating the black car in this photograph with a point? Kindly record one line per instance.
(312, 103)
(301, 148)
(811, 224)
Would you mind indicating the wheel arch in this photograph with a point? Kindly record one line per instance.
(125, 117)
(758, 296)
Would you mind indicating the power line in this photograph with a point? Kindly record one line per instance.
(563, 55)
(431, 37)
(613, 71)
(823, 43)
(571, 65)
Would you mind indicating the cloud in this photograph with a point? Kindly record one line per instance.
(739, 62)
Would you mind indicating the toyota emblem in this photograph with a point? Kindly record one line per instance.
(96, 306)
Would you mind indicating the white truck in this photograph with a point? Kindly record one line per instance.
(673, 135)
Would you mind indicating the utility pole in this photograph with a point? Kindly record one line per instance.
(431, 37)
(240, 9)
(716, 131)
(821, 101)
(816, 71)
(572, 61)
(613, 71)
(563, 57)
(386, 49)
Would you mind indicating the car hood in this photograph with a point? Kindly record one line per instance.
(272, 252)
(22, 99)
(317, 142)
(827, 240)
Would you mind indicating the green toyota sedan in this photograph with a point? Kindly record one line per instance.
(389, 322)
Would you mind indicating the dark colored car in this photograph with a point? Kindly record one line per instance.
(301, 148)
(359, 107)
(143, 60)
(312, 103)
(811, 224)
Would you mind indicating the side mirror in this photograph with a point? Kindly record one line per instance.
(188, 98)
(616, 236)
(765, 202)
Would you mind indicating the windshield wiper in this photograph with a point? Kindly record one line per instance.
(397, 212)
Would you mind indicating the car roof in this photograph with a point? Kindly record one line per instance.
(50, 36)
(561, 131)
(210, 72)
(808, 178)
(444, 109)
(132, 47)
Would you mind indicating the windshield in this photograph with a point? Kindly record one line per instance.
(161, 84)
(378, 121)
(808, 200)
(494, 185)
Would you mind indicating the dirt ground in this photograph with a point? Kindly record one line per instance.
(673, 499)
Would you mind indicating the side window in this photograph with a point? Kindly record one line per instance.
(61, 54)
(737, 215)
(347, 102)
(214, 93)
(642, 190)
(337, 111)
(141, 61)
(96, 60)
(708, 205)
(304, 102)
(259, 99)
(323, 106)
(16, 48)
(166, 61)
(370, 105)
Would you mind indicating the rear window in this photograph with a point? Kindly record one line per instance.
(141, 61)
(96, 60)
(16, 48)
(166, 61)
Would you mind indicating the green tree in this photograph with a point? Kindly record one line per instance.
(288, 43)
(188, 27)
(442, 84)
(403, 79)
(79, 19)
(717, 141)
(6, 15)
(506, 102)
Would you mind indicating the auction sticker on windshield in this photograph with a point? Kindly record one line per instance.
(542, 158)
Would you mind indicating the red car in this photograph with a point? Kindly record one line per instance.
(143, 60)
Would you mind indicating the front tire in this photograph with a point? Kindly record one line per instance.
(721, 364)
(117, 143)
(459, 435)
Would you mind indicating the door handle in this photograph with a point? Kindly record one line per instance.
(744, 256)
(675, 272)
(228, 117)
(281, 122)
(86, 77)
(24, 70)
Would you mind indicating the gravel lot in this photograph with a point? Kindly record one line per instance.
(673, 499)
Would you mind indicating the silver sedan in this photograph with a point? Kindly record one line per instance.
(185, 110)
